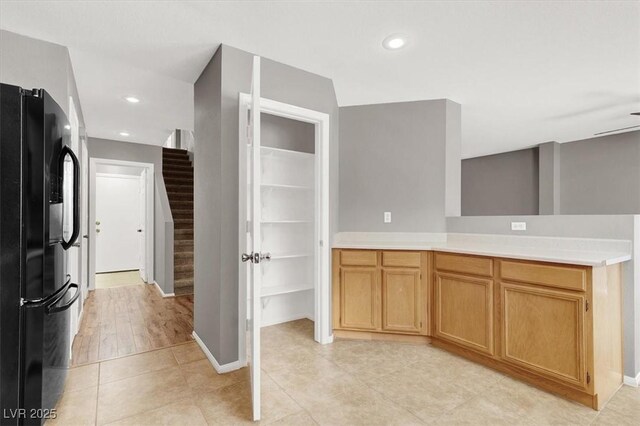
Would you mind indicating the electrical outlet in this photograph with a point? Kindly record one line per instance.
(518, 226)
(387, 217)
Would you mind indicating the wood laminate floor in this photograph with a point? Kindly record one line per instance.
(128, 320)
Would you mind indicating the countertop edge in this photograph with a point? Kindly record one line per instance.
(574, 258)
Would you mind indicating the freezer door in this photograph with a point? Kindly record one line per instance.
(11, 261)
(45, 337)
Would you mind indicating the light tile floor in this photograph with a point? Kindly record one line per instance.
(304, 383)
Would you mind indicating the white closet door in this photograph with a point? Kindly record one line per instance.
(255, 273)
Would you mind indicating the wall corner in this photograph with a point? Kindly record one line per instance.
(549, 178)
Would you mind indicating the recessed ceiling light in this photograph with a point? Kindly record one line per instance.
(394, 41)
(132, 99)
(124, 133)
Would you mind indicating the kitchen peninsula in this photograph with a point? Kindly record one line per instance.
(544, 310)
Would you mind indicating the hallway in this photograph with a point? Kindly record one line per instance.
(128, 320)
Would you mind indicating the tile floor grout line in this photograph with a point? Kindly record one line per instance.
(97, 396)
(286, 393)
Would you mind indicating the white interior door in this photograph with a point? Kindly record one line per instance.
(117, 221)
(253, 248)
(142, 232)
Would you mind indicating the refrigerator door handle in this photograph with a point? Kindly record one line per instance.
(49, 300)
(76, 195)
(52, 309)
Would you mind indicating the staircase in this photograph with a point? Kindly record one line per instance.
(178, 179)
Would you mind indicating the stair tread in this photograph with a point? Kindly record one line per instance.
(184, 268)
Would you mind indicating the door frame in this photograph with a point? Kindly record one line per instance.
(323, 332)
(149, 212)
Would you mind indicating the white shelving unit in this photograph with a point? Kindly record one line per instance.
(288, 219)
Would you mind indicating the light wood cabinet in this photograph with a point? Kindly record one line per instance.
(381, 291)
(464, 311)
(401, 300)
(543, 331)
(359, 298)
(556, 326)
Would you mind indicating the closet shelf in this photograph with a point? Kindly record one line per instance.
(286, 153)
(290, 255)
(284, 289)
(282, 186)
(272, 222)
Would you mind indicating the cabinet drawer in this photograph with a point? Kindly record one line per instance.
(358, 258)
(464, 264)
(560, 276)
(404, 259)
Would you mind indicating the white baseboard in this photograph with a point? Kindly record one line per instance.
(632, 381)
(221, 369)
(162, 293)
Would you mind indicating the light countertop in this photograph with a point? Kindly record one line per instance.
(574, 251)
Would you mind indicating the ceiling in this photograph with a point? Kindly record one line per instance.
(524, 72)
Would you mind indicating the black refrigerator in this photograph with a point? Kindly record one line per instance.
(39, 221)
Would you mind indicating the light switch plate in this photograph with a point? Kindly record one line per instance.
(387, 217)
(518, 226)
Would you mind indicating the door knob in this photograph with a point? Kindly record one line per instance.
(256, 257)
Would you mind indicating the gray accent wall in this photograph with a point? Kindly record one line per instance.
(31, 63)
(591, 176)
(217, 251)
(209, 312)
(284, 133)
(163, 223)
(601, 175)
(502, 184)
(549, 178)
(625, 227)
(393, 158)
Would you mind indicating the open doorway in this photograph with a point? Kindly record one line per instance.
(120, 223)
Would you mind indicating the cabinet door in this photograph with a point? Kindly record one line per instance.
(401, 300)
(464, 311)
(543, 331)
(359, 298)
